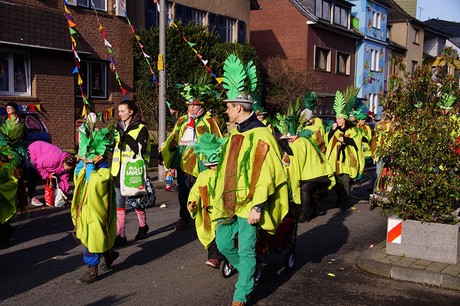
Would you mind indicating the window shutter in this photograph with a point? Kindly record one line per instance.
(120, 7)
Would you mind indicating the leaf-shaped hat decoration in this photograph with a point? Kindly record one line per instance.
(339, 105)
(210, 147)
(447, 101)
(195, 92)
(310, 100)
(240, 81)
(344, 103)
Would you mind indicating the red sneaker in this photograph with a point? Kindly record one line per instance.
(214, 263)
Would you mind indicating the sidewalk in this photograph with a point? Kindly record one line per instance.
(376, 261)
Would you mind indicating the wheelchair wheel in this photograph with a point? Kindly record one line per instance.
(226, 269)
(289, 259)
(258, 273)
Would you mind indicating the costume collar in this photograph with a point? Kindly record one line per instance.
(250, 123)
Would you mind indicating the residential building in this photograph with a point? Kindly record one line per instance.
(407, 32)
(37, 61)
(409, 6)
(229, 18)
(314, 37)
(371, 17)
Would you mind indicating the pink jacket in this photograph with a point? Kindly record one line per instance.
(47, 158)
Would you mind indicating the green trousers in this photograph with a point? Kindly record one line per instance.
(243, 256)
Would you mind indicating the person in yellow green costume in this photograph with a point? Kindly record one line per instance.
(309, 121)
(344, 151)
(367, 134)
(12, 153)
(93, 207)
(202, 196)
(251, 186)
(307, 168)
(178, 152)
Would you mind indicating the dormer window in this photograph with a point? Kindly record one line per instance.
(323, 9)
(341, 16)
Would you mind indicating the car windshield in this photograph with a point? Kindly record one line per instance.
(33, 124)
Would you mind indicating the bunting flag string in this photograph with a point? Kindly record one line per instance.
(138, 39)
(111, 58)
(73, 35)
(191, 45)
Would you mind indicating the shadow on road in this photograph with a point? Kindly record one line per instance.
(311, 246)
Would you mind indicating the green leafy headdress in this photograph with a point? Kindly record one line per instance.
(288, 124)
(209, 146)
(309, 105)
(195, 93)
(344, 103)
(239, 80)
(360, 113)
(94, 142)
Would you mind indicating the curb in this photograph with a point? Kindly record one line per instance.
(367, 263)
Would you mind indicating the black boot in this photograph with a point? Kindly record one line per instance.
(109, 257)
(120, 242)
(5, 234)
(89, 277)
(142, 233)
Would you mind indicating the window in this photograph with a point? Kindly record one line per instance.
(416, 34)
(152, 16)
(94, 4)
(375, 20)
(375, 64)
(322, 59)
(373, 102)
(224, 26)
(413, 67)
(189, 14)
(94, 75)
(241, 32)
(340, 16)
(323, 9)
(14, 73)
(343, 63)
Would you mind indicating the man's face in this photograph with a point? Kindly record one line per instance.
(194, 109)
(232, 112)
(261, 117)
(10, 110)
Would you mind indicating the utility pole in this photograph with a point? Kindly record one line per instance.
(162, 91)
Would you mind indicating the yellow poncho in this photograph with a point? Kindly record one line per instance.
(307, 163)
(187, 160)
(251, 173)
(8, 194)
(94, 210)
(200, 194)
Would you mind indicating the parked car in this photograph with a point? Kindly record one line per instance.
(36, 128)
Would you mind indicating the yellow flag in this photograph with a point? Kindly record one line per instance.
(219, 80)
(83, 112)
(66, 10)
(110, 112)
(80, 80)
(38, 107)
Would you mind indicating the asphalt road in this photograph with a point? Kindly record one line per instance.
(168, 267)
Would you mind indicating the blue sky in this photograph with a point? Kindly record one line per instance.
(442, 9)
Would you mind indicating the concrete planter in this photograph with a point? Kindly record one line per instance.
(428, 241)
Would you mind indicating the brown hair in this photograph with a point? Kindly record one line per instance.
(70, 160)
